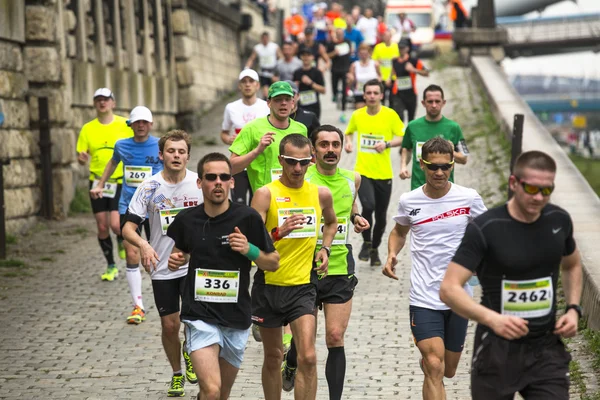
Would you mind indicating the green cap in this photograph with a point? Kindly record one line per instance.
(279, 88)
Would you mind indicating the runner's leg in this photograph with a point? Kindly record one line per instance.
(207, 364)
(336, 323)
(382, 193)
(303, 329)
(273, 357)
(433, 352)
(366, 194)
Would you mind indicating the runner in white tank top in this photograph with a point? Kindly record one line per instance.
(362, 71)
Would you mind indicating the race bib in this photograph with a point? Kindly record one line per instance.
(134, 175)
(386, 63)
(276, 174)
(342, 49)
(320, 25)
(419, 148)
(308, 97)
(527, 299)
(308, 230)
(267, 61)
(404, 83)
(167, 217)
(340, 235)
(110, 189)
(368, 142)
(215, 286)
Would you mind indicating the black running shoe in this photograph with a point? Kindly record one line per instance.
(364, 251)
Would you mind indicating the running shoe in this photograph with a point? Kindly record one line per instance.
(189, 369)
(343, 118)
(111, 273)
(256, 333)
(122, 253)
(365, 251)
(375, 261)
(137, 316)
(176, 386)
(288, 376)
(287, 343)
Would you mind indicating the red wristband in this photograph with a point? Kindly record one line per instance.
(275, 234)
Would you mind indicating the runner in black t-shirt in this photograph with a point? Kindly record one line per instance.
(404, 91)
(306, 118)
(516, 251)
(310, 83)
(339, 50)
(216, 300)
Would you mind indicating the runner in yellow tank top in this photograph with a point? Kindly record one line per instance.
(292, 209)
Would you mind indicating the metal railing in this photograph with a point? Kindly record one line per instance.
(554, 29)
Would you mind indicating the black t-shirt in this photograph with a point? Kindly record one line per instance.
(500, 248)
(306, 118)
(314, 49)
(206, 240)
(309, 98)
(404, 81)
(340, 63)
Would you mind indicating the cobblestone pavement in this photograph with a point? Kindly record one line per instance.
(64, 334)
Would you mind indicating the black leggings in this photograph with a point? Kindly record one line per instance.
(374, 195)
(335, 78)
(242, 186)
(406, 102)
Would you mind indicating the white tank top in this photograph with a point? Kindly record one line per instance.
(364, 74)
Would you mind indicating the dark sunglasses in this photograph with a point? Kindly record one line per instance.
(435, 167)
(533, 190)
(213, 177)
(293, 161)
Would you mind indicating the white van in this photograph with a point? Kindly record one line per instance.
(421, 14)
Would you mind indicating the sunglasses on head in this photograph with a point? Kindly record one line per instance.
(435, 167)
(533, 189)
(213, 177)
(293, 161)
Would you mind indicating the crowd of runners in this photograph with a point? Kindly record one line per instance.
(280, 205)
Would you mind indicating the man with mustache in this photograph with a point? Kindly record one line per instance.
(139, 155)
(334, 291)
(160, 199)
(291, 209)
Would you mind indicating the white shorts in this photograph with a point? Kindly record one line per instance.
(199, 335)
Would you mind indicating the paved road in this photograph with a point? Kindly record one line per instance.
(64, 334)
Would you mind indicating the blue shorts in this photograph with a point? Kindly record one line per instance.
(426, 323)
(199, 335)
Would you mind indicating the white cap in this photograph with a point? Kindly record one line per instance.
(323, 5)
(104, 92)
(140, 113)
(294, 10)
(315, 8)
(248, 73)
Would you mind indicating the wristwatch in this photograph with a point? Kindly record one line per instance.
(353, 216)
(388, 145)
(575, 307)
(327, 250)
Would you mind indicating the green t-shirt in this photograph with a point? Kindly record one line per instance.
(343, 189)
(421, 130)
(265, 168)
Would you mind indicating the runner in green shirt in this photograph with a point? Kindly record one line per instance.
(334, 291)
(422, 129)
(256, 147)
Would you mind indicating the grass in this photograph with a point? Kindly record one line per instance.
(590, 169)
(81, 201)
(47, 259)
(10, 263)
(11, 239)
(576, 376)
(444, 60)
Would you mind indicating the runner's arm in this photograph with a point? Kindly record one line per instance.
(148, 255)
(251, 59)
(261, 201)
(460, 158)
(108, 171)
(396, 141)
(329, 217)
(238, 163)
(360, 223)
(396, 242)
(324, 56)
(572, 277)
(226, 137)
(182, 257)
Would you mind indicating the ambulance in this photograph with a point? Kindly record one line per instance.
(421, 15)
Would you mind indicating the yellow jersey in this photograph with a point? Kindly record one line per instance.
(99, 141)
(372, 129)
(385, 55)
(296, 250)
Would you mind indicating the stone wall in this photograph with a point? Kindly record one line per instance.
(177, 57)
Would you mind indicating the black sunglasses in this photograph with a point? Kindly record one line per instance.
(435, 167)
(213, 177)
(293, 161)
(533, 189)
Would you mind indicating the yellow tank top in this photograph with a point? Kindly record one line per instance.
(297, 250)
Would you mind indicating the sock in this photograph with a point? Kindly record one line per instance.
(287, 338)
(120, 240)
(292, 356)
(107, 249)
(335, 372)
(180, 372)
(134, 278)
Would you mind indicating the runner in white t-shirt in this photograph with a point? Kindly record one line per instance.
(367, 25)
(160, 198)
(437, 215)
(237, 114)
(267, 53)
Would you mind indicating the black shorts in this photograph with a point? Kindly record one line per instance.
(275, 306)
(426, 323)
(359, 98)
(167, 295)
(538, 368)
(242, 187)
(264, 81)
(105, 204)
(145, 224)
(335, 289)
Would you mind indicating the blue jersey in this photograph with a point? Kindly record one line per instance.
(140, 162)
(355, 38)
